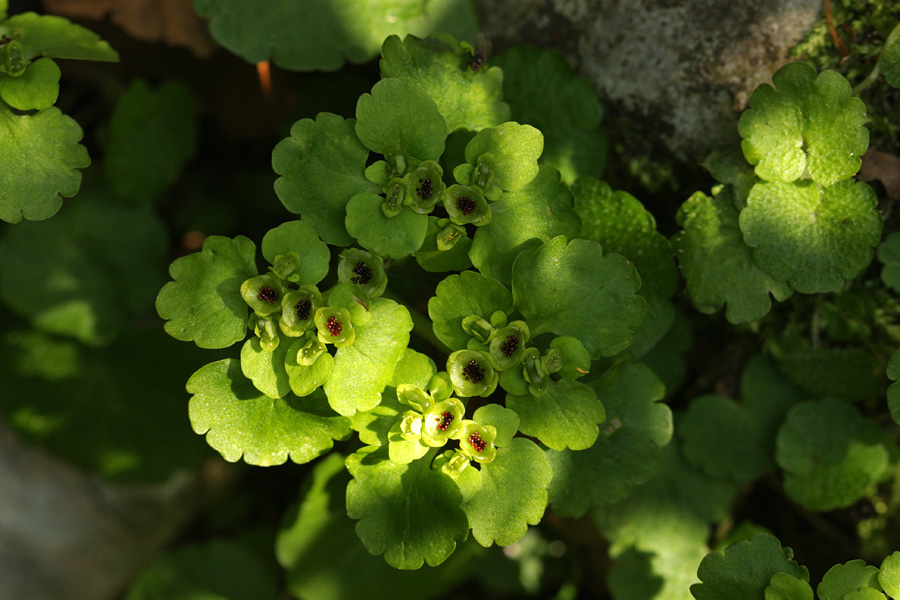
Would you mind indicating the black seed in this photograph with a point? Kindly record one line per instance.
(466, 205)
(363, 273)
(477, 61)
(267, 294)
(334, 326)
(425, 189)
(303, 309)
(444, 420)
(509, 345)
(473, 372)
(477, 443)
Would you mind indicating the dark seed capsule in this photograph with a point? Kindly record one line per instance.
(477, 442)
(425, 189)
(334, 326)
(509, 346)
(477, 61)
(466, 205)
(303, 309)
(363, 274)
(444, 420)
(473, 372)
(267, 294)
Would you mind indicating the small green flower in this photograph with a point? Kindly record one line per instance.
(334, 326)
(477, 441)
(508, 345)
(443, 422)
(472, 373)
(266, 329)
(411, 425)
(425, 186)
(478, 328)
(452, 463)
(285, 266)
(298, 310)
(394, 198)
(449, 236)
(568, 357)
(535, 372)
(263, 294)
(310, 352)
(483, 175)
(439, 386)
(362, 269)
(413, 395)
(12, 58)
(466, 205)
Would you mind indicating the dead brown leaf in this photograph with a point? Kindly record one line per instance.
(171, 21)
(883, 167)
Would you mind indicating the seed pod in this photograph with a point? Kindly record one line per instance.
(508, 345)
(576, 361)
(411, 426)
(443, 422)
(425, 186)
(413, 395)
(263, 294)
(285, 266)
(472, 373)
(13, 61)
(477, 441)
(483, 175)
(439, 386)
(535, 373)
(298, 310)
(466, 205)
(334, 326)
(364, 270)
(310, 352)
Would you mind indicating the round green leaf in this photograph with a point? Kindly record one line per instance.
(804, 124)
(459, 296)
(152, 135)
(55, 37)
(830, 454)
(573, 290)
(840, 580)
(516, 149)
(814, 238)
(716, 263)
(409, 512)
(399, 119)
(889, 576)
(203, 304)
(439, 65)
(513, 494)
(745, 570)
(565, 417)
(36, 89)
(363, 369)
(621, 224)
(628, 451)
(299, 237)
(322, 165)
(784, 586)
(522, 220)
(396, 237)
(240, 421)
(38, 161)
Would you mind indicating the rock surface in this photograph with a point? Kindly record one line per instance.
(681, 70)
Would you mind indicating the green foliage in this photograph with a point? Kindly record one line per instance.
(152, 134)
(717, 266)
(840, 580)
(321, 35)
(830, 453)
(804, 124)
(38, 163)
(745, 570)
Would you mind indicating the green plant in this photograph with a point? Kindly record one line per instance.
(466, 327)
